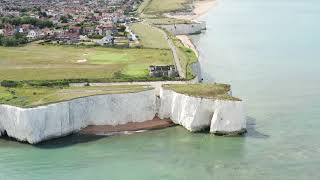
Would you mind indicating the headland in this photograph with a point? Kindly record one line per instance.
(149, 83)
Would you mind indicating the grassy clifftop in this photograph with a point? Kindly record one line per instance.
(49, 62)
(163, 6)
(35, 96)
(211, 91)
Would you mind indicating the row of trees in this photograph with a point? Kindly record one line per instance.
(25, 20)
(16, 40)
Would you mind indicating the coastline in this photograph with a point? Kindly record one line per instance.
(187, 42)
(201, 7)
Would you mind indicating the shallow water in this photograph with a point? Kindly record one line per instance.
(269, 51)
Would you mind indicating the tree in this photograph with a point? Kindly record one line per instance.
(64, 19)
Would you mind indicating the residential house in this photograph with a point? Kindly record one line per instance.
(163, 71)
(9, 30)
(47, 32)
(33, 34)
(105, 41)
(67, 37)
(104, 29)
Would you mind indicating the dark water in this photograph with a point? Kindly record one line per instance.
(269, 51)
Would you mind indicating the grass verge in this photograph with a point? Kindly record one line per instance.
(28, 96)
(211, 91)
(186, 57)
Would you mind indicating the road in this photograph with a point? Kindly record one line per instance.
(155, 84)
(174, 52)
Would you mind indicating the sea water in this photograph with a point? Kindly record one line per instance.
(270, 52)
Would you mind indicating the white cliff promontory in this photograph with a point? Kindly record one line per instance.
(40, 123)
(196, 113)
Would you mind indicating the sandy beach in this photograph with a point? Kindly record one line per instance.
(201, 7)
(132, 127)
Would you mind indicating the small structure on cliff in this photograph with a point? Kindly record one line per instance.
(163, 71)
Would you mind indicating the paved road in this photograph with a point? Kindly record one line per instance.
(175, 56)
(156, 84)
(174, 52)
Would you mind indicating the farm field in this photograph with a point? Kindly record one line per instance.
(49, 62)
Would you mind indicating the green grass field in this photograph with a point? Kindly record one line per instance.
(50, 62)
(162, 6)
(211, 91)
(150, 37)
(35, 96)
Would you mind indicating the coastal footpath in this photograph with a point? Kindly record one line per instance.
(219, 112)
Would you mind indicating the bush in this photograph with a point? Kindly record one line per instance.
(16, 40)
(10, 84)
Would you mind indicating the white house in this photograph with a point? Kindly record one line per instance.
(32, 35)
(107, 40)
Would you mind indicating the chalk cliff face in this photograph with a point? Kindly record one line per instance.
(40, 123)
(195, 114)
(55, 120)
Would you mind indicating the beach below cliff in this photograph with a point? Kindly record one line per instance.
(128, 128)
(200, 9)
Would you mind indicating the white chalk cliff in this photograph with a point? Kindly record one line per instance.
(196, 114)
(59, 119)
(45, 122)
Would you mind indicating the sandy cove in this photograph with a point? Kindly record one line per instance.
(201, 7)
(130, 127)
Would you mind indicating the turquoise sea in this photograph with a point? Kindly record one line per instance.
(270, 52)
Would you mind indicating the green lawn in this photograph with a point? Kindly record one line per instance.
(162, 6)
(212, 91)
(150, 37)
(51, 62)
(34, 96)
